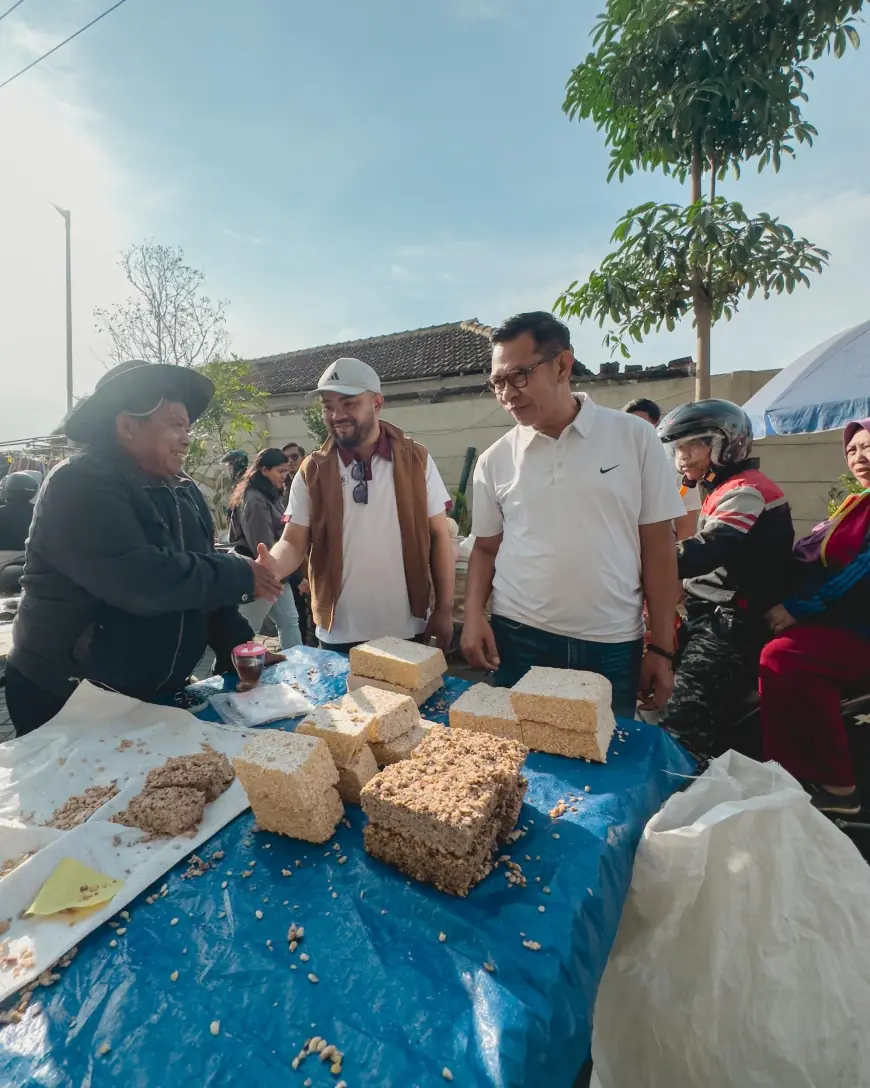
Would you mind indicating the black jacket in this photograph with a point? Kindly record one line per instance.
(15, 518)
(258, 519)
(740, 556)
(122, 585)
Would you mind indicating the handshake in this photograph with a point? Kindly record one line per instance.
(267, 578)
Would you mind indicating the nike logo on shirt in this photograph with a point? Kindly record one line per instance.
(604, 471)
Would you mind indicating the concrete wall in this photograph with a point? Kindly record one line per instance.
(449, 415)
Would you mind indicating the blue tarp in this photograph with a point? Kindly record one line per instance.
(401, 1004)
(821, 391)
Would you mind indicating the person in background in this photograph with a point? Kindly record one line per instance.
(820, 651)
(19, 489)
(572, 519)
(16, 513)
(256, 517)
(298, 580)
(122, 585)
(368, 508)
(237, 464)
(732, 570)
(295, 455)
(686, 525)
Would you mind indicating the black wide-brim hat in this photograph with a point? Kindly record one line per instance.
(128, 383)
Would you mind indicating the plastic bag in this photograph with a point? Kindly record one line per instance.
(742, 958)
(263, 704)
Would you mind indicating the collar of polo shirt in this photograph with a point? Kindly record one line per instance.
(583, 422)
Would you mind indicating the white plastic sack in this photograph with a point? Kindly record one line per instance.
(743, 954)
(262, 704)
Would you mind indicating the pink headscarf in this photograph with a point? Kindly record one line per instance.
(851, 428)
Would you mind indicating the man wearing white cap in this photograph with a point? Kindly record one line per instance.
(368, 508)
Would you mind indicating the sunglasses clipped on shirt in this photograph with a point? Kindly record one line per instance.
(519, 378)
(361, 488)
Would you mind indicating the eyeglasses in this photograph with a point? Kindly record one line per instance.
(517, 379)
(361, 490)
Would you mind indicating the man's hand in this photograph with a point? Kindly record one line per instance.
(304, 588)
(656, 682)
(274, 659)
(779, 619)
(478, 643)
(267, 586)
(440, 627)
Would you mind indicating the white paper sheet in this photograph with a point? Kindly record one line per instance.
(82, 747)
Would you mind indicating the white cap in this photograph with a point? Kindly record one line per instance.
(350, 377)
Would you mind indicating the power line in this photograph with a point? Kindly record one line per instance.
(9, 11)
(60, 45)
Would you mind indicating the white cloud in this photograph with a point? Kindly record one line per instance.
(52, 153)
(250, 239)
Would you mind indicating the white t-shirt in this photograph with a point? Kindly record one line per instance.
(570, 510)
(373, 601)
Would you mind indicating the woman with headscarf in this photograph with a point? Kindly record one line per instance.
(257, 517)
(122, 585)
(822, 646)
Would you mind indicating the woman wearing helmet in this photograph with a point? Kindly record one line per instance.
(733, 570)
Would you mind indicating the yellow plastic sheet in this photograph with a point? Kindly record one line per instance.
(74, 886)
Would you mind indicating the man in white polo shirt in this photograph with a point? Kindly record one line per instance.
(572, 518)
(368, 509)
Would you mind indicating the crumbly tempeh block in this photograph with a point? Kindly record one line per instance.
(419, 695)
(402, 747)
(393, 714)
(570, 742)
(209, 771)
(409, 664)
(420, 860)
(449, 811)
(483, 709)
(343, 725)
(509, 811)
(352, 778)
(562, 697)
(169, 810)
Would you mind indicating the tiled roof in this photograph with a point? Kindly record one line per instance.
(437, 352)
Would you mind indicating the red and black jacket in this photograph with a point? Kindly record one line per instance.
(740, 556)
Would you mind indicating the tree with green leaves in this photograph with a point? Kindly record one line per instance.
(313, 416)
(696, 88)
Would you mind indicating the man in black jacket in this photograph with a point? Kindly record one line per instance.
(122, 585)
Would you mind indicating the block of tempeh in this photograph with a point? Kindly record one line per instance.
(408, 664)
(164, 810)
(499, 758)
(419, 695)
(352, 778)
(208, 771)
(562, 697)
(509, 810)
(416, 857)
(343, 725)
(448, 809)
(484, 709)
(317, 823)
(571, 742)
(289, 780)
(402, 747)
(392, 714)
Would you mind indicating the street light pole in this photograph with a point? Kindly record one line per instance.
(69, 352)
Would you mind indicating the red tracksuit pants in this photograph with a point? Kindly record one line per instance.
(804, 673)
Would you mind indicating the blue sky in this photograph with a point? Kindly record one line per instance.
(342, 169)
